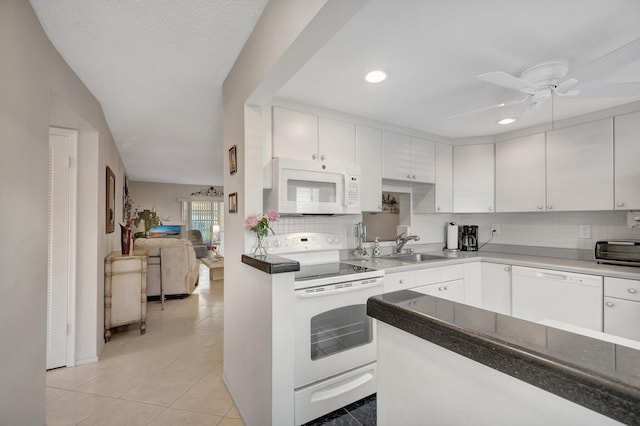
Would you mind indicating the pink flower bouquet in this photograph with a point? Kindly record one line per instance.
(260, 224)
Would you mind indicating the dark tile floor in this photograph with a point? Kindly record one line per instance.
(360, 413)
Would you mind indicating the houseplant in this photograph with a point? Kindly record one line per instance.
(261, 226)
(150, 219)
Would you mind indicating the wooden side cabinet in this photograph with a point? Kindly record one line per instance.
(125, 290)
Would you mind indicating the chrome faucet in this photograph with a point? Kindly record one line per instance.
(403, 239)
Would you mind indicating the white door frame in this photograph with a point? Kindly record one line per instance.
(73, 224)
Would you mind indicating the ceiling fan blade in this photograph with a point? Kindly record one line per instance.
(503, 79)
(608, 63)
(563, 86)
(612, 90)
(501, 105)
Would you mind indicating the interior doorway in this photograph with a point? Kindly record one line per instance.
(61, 253)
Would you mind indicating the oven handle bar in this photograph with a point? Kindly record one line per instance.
(308, 293)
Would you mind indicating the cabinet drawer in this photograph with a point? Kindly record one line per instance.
(126, 265)
(439, 274)
(399, 281)
(452, 290)
(622, 288)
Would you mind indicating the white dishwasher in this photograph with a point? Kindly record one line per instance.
(540, 294)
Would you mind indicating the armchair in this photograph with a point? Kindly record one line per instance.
(195, 236)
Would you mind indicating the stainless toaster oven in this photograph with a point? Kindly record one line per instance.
(618, 252)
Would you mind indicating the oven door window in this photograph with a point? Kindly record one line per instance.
(311, 192)
(339, 330)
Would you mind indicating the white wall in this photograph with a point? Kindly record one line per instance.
(38, 89)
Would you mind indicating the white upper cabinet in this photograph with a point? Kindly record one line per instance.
(580, 167)
(369, 158)
(423, 160)
(473, 178)
(406, 158)
(627, 164)
(520, 174)
(308, 137)
(295, 134)
(336, 141)
(396, 156)
(444, 178)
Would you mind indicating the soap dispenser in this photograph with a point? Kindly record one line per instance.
(376, 247)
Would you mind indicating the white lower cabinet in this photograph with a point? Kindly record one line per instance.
(622, 307)
(450, 290)
(446, 282)
(496, 287)
(399, 281)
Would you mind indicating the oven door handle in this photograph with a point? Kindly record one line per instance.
(307, 294)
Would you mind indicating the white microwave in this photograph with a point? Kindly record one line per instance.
(309, 187)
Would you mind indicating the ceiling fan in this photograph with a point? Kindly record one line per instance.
(541, 82)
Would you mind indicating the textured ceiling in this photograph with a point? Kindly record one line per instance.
(157, 68)
(434, 50)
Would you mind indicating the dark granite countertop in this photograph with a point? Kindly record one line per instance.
(271, 264)
(597, 374)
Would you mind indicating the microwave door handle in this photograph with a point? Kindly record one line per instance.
(344, 190)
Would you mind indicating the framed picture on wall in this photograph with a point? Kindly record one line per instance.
(110, 210)
(233, 202)
(233, 160)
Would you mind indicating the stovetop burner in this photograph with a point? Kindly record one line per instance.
(328, 270)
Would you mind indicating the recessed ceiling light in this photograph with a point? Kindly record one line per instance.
(375, 76)
(508, 120)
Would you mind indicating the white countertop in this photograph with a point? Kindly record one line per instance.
(583, 266)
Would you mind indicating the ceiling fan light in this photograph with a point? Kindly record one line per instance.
(375, 76)
(507, 120)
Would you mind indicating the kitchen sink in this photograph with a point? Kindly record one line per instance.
(414, 257)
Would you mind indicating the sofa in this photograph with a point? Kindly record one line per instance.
(172, 263)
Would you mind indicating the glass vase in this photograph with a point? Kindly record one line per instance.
(260, 249)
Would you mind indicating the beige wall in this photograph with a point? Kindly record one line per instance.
(38, 89)
(164, 196)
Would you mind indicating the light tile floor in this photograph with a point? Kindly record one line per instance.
(169, 376)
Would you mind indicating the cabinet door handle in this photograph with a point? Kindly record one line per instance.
(401, 281)
(549, 207)
(539, 207)
(620, 204)
(438, 208)
(409, 176)
(323, 157)
(490, 209)
(632, 291)
(508, 268)
(314, 156)
(413, 176)
(609, 304)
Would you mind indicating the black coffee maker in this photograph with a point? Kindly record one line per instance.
(469, 238)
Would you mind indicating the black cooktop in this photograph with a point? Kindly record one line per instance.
(327, 270)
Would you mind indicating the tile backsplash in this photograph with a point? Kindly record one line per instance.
(544, 229)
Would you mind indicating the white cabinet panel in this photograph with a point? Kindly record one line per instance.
(580, 167)
(520, 174)
(444, 178)
(473, 178)
(496, 287)
(336, 141)
(305, 136)
(439, 274)
(450, 290)
(369, 158)
(621, 318)
(423, 160)
(396, 156)
(399, 281)
(408, 159)
(295, 134)
(627, 168)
